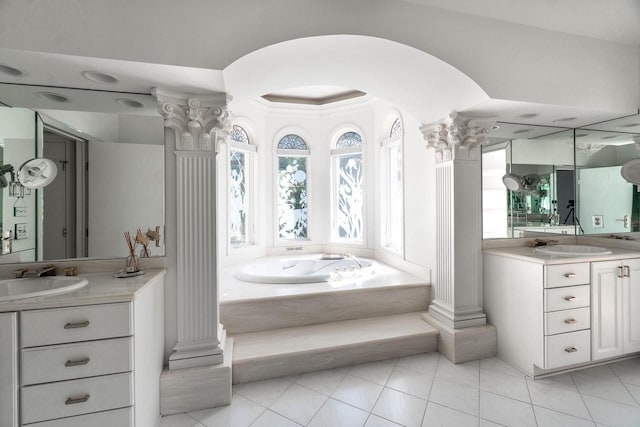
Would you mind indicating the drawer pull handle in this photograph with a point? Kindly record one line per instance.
(570, 275)
(570, 349)
(571, 299)
(570, 321)
(73, 401)
(77, 362)
(77, 325)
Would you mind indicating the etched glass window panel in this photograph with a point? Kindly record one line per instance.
(348, 140)
(292, 198)
(238, 206)
(349, 197)
(395, 200)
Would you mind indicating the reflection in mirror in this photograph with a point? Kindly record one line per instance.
(528, 183)
(607, 202)
(110, 176)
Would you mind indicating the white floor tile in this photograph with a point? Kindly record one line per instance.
(357, 392)
(628, 371)
(487, 423)
(299, 404)
(612, 413)
(400, 408)
(455, 396)
(179, 420)
(505, 411)
(322, 381)
(605, 389)
(602, 371)
(548, 418)
(337, 414)
(514, 387)
(494, 364)
(558, 399)
(376, 372)
(376, 421)
(411, 382)
(635, 392)
(271, 419)
(463, 373)
(263, 392)
(563, 381)
(441, 416)
(241, 413)
(424, 363)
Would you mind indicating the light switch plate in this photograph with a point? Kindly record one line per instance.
(19, 211)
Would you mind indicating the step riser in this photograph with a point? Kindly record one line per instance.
(297, 363)
(303, 310)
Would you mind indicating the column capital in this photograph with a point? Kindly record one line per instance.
(456, 136)
(200, 122)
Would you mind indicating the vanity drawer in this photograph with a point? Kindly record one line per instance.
(567, 297)
(117, 417)
(76, 397)
(567, 349)
(77, 360)
(559, 322)
(567, 275)
(63, 325)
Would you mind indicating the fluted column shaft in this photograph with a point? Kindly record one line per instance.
(458, 278)
(199, 123)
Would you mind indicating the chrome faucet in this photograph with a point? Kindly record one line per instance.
(47, 270)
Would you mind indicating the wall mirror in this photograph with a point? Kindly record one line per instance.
(109, 151)
(607, 203)
(528, 177)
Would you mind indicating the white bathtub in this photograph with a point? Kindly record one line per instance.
(301, 269)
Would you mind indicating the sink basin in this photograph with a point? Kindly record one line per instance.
(39, 286)
(572, 250)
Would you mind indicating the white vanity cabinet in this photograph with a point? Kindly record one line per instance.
(8, 369)
(615, 295)
(91, 365)
(541, 312)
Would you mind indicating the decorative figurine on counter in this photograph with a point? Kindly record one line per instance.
(133, 266)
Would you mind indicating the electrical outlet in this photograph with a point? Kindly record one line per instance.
(598, 221)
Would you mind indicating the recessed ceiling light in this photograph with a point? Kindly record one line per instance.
(628, 125)
(521, 131)
(98, 77)
(565, 119)
(609, 137)
(528, 115)
(131, 103)
(50, 96)
(11, 71)
(581, 135)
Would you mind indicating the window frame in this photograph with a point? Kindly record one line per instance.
(386, 145)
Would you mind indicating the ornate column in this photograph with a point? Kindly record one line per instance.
(458, 278)
(199, 124)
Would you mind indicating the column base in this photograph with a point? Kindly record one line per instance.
(465, 344)
(202, 387)
(199, 356)
(457, 320)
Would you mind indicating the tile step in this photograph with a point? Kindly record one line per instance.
(289, 351)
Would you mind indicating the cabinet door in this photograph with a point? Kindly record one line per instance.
(606, 310)
(8, 370)
(631, 306)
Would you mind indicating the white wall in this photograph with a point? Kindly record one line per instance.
(603, 191)
(509, 61)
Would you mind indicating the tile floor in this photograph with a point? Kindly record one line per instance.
(428, 390)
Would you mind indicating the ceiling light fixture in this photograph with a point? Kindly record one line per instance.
(628, 125)
(131, 103)
(11, 71)
(98, 77)
(50, 96)
(609, 137)
(519, 131)
(581, 135)
(528, 115)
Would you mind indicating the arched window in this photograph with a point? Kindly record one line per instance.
(392, 194)
(292, 182)
(348, 192)
(241, 176)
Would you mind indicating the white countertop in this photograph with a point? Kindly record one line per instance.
(529, 254)
(102, 288)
